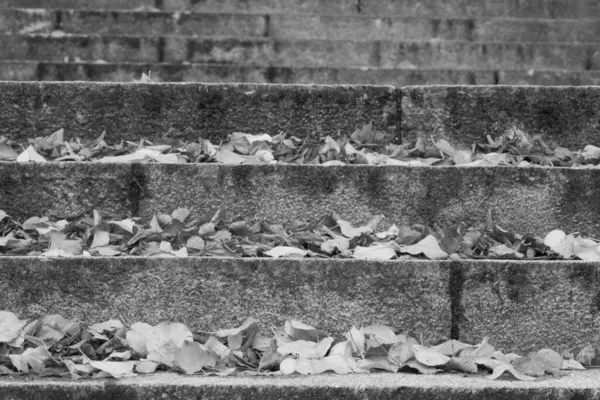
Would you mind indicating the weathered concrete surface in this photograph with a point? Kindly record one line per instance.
(582, 385)
(294, 26)
(65, 190)
(229, 73)
(96, 4)
(526, 306)
(567, 116)
(80, 47)
(266, 52)
(386, 8)
(214, 293)
(526, 200)
(492, 55)
(128, 22)
(129, 111)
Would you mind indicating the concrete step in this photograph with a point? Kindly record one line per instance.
(301, 27)
(464, 115)
(386, 8)
(519, 305)
(556, 198)
(14, 70)
(78, 4)
(430, 8)
(578, 385)
(265, 52)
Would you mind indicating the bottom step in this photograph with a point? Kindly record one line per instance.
(581, 385)
(163, 72)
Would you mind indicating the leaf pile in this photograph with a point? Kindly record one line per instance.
(56, 346)
(179, 235)
(364, 146)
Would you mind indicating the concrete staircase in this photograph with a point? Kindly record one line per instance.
(519, 305)
(545, 42)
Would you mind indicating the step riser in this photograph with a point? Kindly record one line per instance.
(128, 72)
(300, 27)
(568, 116)
(454, 8)
(334, 54)
(520, 306)
(130, 111)
(211, 294)
(553, 198)
(463, 115)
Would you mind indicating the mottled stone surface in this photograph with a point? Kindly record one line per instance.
(387, 8)
(129, 111)
(526, 200)
(219, 73)
(486, 56)
(568, 116)
(64, 190)
(526, 306)
(79, 47)
(581, 385)
(96, 4)
(215, 293)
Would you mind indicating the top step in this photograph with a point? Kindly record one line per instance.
(430, 8)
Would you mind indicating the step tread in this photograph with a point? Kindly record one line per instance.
(305, 53)
(578, 384)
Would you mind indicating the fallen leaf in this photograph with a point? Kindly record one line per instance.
(10, 326)
(572, 364)
(146, 367)
(7, 153)
(378, 363)
(451, 347)
(349, 231)
(429, 247)
(422, 368)
(30, 155)
(297, 330)
(429, 357)
(193, 357)
(34, 357)
(116, 369)
(306, 349)
(286, 251)
(586, 355)
(374, 252)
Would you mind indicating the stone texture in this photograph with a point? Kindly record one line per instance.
(266, 52)
(79, 47)
(525, 306)
(335, 27)
(491, 55)
(525, 200)
(96, 4)
(567, 116)
(132, 110)
(102, 22)
(214, 293)
(582, 385)
(230, 73)
(386, 8)
(65, 190)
